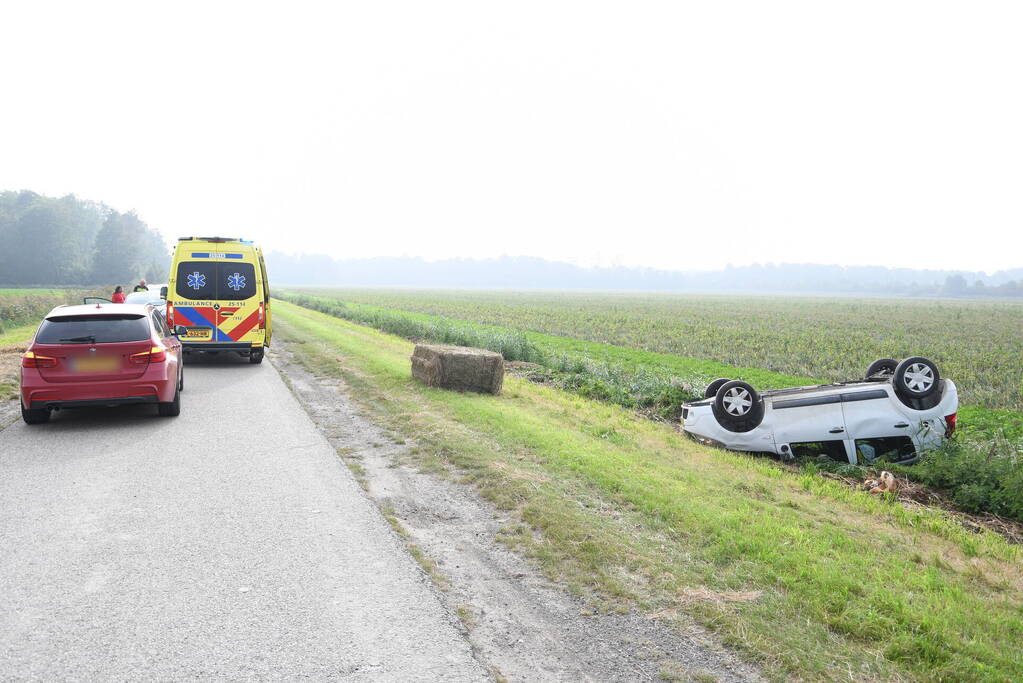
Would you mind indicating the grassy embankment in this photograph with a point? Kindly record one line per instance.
(10, 355)
(808, 578)
(20, 312)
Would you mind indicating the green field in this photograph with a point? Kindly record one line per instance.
(977, 343)
(808, 578)
(29, 291)
(20, 307)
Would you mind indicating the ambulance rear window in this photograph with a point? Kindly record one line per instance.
(200, 280)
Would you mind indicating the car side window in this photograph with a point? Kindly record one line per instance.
(161, 325)
(832, 449)
(891, 448)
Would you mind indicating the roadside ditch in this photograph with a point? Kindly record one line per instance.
(521, 625)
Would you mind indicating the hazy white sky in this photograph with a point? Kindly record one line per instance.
(675, 135)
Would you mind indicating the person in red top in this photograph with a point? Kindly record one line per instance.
(118, 296)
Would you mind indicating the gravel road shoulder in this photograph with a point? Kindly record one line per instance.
(10, 411)
(519, 623)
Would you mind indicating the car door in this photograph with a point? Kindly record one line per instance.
(194, 296)
(239, 307)
(869, 415)
(167, 335)
(875, 428)
(809, 419)
(267, 315)
(168, 338)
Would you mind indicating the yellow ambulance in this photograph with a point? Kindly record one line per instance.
(218, 298)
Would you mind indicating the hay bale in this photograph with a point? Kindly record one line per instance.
(458, 367)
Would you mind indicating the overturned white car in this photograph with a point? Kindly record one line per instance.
(899, 410)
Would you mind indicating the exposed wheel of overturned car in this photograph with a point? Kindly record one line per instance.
(712, 388)
(883, 366)
(916, 378)
(738, 407)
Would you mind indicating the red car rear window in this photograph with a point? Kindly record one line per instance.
(93, 329)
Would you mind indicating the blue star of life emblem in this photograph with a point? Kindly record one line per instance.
(196, 280)
(236, 281)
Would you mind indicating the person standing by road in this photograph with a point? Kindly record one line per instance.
(118, 296)
(141, 287)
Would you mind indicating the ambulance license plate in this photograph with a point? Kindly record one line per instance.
(198, 333)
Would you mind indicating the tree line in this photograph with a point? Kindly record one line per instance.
(72, 241)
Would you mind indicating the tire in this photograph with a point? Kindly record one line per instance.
(256, 357)
(738, 407)
(35, 416)
(916, 378)
(181, 380)
(172, 409)
(712, 388)
(884, 366)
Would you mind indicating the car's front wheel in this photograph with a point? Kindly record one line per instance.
(35, 416)
(738, 406)
(916, 378)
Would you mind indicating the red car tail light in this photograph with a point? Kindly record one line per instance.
(156, 354)
(950, 424)
(34, 360)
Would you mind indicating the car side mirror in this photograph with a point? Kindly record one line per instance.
(180, 331)
(163, 292)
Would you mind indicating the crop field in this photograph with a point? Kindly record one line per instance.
(977, 343)
(19, 307)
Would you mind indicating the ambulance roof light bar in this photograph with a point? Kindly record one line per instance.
(214, 239)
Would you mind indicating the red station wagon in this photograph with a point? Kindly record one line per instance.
(101, 355)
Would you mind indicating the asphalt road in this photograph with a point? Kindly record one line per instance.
(229, 542)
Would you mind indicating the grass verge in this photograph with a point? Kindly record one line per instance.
(20, 307)
(17, 335)
(808, 578)
(10, 359)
